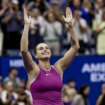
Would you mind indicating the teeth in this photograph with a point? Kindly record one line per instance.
(45, 53)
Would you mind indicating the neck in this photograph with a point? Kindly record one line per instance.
(11, 77)
(45, 64)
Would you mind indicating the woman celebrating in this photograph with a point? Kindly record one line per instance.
(46, 80)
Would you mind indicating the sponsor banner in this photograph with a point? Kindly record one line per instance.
(89, 70)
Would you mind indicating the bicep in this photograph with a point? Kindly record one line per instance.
(28, 61)
(67, 58)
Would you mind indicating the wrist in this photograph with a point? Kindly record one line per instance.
(70, 25)
(26, 24)
(71, 28)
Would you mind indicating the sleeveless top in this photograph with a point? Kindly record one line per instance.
(46, 88)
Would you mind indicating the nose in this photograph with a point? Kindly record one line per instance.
(45, 49)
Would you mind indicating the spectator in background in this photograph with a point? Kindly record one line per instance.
(3, 9)
(72, 83)
(22, 98)
(13, 20)
(82, 30)
(101, 98)
(87, 6)
(55, 5)
(84, 92)
(53, 32)
(98, 6)
(77, 98)
(13, 77)
(36, 28)
(71, 97)
(42, 5)
(67, 99)
(27, 91)
(99, 28)
(77, 5)
(56, 9)
(1, 90)
(8, 95)
(69, 92)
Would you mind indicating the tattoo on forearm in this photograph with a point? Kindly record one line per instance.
(72, 42)
(70, 25)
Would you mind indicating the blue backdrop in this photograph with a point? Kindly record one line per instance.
(84, 69)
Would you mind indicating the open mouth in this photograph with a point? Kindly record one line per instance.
(45, 53)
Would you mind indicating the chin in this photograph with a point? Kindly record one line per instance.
(46, 57)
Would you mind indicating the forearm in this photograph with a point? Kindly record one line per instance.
(7, 19)
(2, 12)
(24, 39)
(74, 39)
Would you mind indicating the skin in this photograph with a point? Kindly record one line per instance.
(43, 52)
(100, 98)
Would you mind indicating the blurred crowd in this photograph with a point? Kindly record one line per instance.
(73, 96)
(48, 25)
(15, 91)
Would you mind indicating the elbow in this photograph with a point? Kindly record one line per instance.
(78, 47)
(23, 52)
(23, 49)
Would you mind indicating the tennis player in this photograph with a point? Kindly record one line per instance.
(46, 79)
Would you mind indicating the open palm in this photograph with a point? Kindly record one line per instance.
(68, 19)
(27, 19)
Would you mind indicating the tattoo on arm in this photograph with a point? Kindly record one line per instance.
(72, 42)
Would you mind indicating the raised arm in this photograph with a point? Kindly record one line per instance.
(63, 63)
(30, 65)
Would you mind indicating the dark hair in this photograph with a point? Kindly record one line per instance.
(71, 80)
(35, 49)
(12, 68)
(81, 90)
(47, 15)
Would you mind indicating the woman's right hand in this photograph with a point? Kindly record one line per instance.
(27, 19)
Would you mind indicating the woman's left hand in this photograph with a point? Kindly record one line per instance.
(69, 18)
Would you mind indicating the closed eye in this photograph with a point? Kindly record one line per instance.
(47, 47)
(41, 48)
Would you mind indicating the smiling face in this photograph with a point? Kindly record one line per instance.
(42, 51)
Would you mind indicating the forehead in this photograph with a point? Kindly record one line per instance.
(35, 11)
(50, 14)
(13, 70)
(42, 45)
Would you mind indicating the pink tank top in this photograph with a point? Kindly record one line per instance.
(46, 89)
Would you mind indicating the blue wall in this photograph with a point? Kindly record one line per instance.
(84, 69)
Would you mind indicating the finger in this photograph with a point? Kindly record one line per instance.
(68, 12)
(63, 17)
(25, 12)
